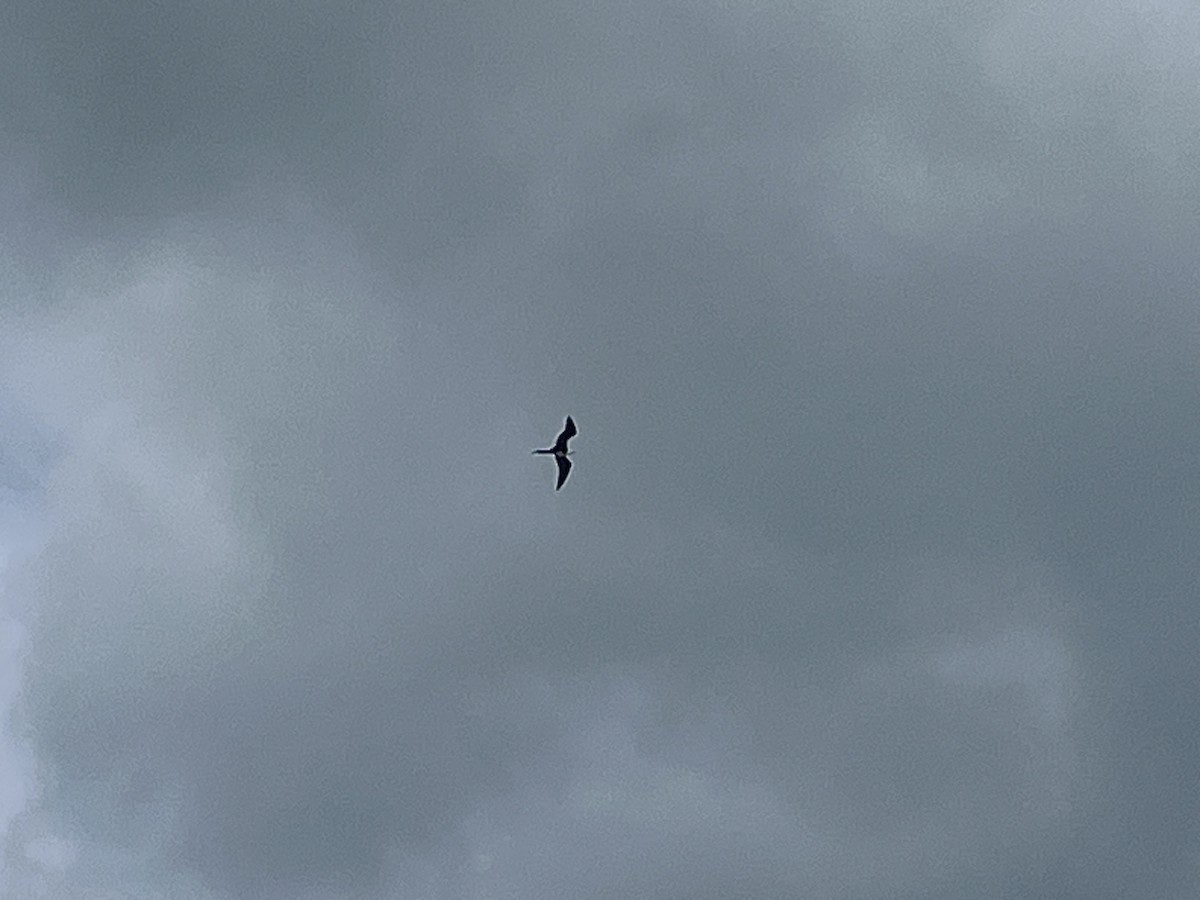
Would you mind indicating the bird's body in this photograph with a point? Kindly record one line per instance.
(559, 451)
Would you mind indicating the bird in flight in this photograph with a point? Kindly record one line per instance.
(559, 451)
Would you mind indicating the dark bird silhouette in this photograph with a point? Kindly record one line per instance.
(559, 451)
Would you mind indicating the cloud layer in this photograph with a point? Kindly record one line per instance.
(876, 574)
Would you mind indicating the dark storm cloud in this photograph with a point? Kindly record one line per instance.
(876, 573)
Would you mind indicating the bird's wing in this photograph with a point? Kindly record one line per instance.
(564, 468)
(565, 435)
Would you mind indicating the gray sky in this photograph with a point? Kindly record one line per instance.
(876, 576)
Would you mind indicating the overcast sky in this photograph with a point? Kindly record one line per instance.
(877, 576)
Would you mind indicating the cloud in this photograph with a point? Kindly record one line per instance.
(875, 574)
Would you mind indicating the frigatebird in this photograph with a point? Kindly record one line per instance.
(559, 451)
